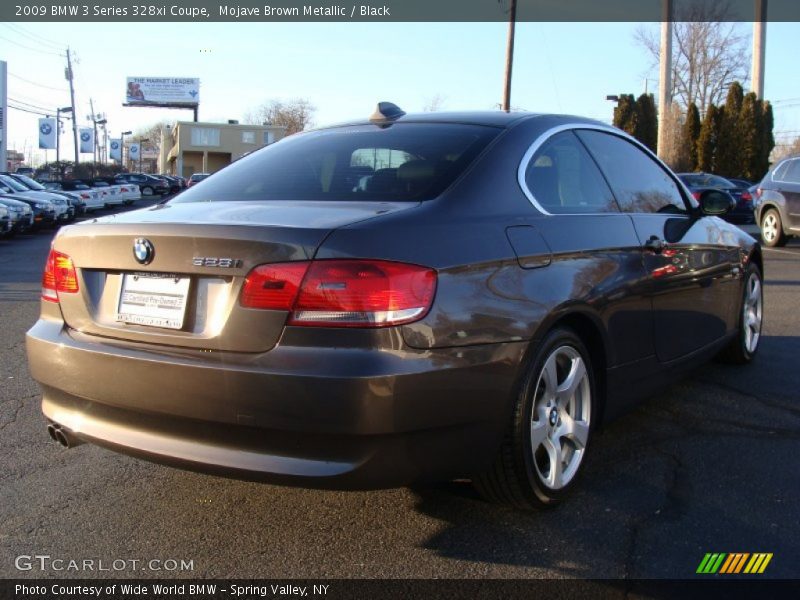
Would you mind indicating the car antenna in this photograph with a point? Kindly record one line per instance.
(386, 112)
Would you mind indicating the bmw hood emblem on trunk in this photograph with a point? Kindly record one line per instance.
(143, 251)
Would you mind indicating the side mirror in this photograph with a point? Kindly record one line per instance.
(716, 202)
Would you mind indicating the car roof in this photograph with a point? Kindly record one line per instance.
(491, 118)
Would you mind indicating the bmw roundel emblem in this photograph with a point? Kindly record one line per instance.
(45, 129)
(143, 251)
(85, 137)
(114, 146)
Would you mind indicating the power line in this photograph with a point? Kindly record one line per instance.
(35, 37)
(59, 54)
(41, 85)
(33, 112)
(28, 104)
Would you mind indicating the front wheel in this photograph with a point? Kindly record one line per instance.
(147, 191)
(546, 442)
(744, 346)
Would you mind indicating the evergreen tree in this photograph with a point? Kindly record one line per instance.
(767, 139)
(728, 156)
(691, 133)
(646, 128)
(707, 140)
(750, 138)
(625, 113)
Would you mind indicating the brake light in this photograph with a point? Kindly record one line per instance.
(747, 197)
(85, 196)
(123, 189)
(342, 293)
(696, 196)
(59, 276)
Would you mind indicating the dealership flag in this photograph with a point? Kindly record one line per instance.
(133, 151)
(116, 149)
(87, 140)
(47, 134)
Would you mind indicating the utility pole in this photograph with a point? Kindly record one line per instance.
(665, 76)
(509, 56)
(68, 74)
(94, 127)
(759, 48)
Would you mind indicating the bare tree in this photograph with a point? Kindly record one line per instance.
(786, 149)
(295, 114)
(708, 53)
(434, 103)
(676, 153)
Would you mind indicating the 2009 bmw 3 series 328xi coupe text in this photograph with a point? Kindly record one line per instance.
(405, 298)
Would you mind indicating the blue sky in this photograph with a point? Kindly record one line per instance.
(344, 68)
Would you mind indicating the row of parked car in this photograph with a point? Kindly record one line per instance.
(773, 203)
(27, 204)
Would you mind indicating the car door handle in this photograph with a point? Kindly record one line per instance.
(655, 243)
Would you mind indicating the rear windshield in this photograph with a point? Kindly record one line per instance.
(405, 161)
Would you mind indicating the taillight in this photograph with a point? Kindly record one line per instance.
(759, 191)
(747, 197)
(124, 189)
(342, 293)
(273, 287)
(85, 196)
(59, 276)
(696, 196)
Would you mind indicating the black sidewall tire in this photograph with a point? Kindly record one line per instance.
(540, 494)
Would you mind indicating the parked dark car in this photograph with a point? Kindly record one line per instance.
(778, 202)
(742, 212)
(174, 183)
(20, 214)
(404, 298)
(44, 213)
(148, 184)
(741, 183)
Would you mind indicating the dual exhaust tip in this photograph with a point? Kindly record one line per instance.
(63, 436)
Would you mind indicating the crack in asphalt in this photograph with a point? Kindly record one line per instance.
(20, 405)
(731, 388)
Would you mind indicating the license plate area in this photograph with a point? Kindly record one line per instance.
(153, 299)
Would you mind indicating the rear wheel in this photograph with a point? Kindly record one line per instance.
(744, 346)
(547, 438)
(772, 229)
(147, 191)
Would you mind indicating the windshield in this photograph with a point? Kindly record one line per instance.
(14, 185)
(402, 162)
(34, 185)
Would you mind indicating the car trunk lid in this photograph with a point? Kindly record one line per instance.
(200, 255)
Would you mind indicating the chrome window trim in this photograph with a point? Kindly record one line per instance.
(544, 137)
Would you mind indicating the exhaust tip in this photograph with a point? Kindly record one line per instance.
(63, 436)
(51, 431)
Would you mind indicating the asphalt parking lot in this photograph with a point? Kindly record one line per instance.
(709, 465)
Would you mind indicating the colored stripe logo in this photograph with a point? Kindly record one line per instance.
(734, 563)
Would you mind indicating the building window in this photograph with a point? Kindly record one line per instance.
(269, 137)
(202, 136)
(248, 137)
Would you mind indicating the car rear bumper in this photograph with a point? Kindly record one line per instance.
(347, 418)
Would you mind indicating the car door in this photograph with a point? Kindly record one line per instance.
(691, 261)
(587, 239)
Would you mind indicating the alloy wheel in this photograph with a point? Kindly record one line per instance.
(561, 417)
(752, 312)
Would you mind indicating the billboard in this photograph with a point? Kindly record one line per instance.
(87, 140)
(143, 91)
(115, 149)
(47, 134)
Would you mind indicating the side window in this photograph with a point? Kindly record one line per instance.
(639, 183)
(564, 179)
(792, 173)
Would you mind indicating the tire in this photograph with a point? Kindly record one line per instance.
(525, 476)
(772, 229)
(744, 346)
(147, 191)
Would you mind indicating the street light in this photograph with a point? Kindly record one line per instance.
(612, 98)
(66, 109)
(122, 147)
(141, 147)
